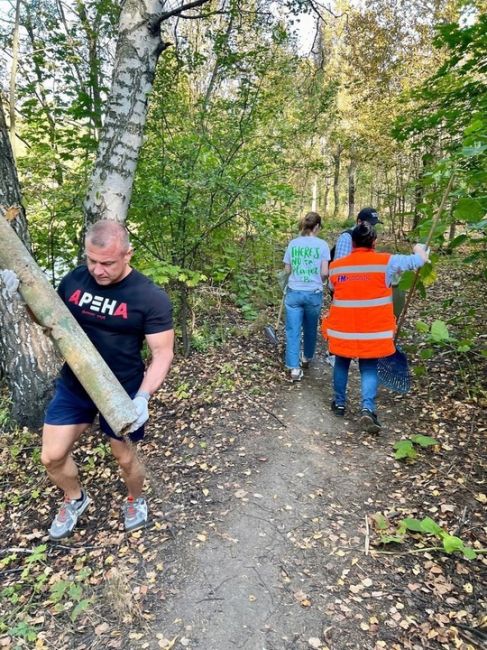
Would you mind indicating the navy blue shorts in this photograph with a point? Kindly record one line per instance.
(70, 406)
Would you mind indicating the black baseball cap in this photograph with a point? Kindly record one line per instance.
(370, 215)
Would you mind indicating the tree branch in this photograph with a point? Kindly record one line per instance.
(318, 8)
(195, 16)
(184, 7)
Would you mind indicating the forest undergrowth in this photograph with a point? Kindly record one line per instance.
(423, 540)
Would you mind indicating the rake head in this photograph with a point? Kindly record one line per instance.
(270, 334)
(393, 372)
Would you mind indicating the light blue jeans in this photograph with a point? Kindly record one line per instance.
(368, 381)
(302, 313)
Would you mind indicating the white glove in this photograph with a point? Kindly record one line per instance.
(141, 404)
(10, 281)
(423, 250)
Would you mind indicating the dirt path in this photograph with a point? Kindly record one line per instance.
(265, 574)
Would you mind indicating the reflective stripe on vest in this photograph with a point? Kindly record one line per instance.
(361, 336)
(366, 268)
(374, 302)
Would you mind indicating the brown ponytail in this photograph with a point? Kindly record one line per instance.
(309, 222)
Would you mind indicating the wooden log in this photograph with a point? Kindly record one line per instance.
(79, 352)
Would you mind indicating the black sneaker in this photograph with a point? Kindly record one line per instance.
(369, 421)
(338, 409)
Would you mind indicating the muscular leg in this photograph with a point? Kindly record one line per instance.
(57, 443)
(133, 471)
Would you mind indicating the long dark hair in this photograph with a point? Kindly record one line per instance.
(364, 235)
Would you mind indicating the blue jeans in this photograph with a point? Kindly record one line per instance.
(368, 381)
(302, 313)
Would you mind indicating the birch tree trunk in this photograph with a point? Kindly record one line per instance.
(352, 171)
(336, 181)
(138, 49)
(314, 195)
(326, 192)
(28, 360)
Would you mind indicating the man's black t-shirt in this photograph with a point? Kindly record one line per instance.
(116, 319)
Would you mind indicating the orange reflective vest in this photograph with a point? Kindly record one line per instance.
(361, 320)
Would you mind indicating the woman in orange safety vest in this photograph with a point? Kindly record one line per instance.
(361, 322)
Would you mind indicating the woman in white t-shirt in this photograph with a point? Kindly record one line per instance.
(306, 260)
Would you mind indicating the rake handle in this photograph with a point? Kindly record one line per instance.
(428, 241)
(281, 307)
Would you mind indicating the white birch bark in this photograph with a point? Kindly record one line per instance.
(314, 193)
(138, 49)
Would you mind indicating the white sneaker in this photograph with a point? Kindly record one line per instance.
(330, 360)
(296, 374)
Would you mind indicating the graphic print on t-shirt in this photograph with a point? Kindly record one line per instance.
(116, 318)
(98, 304)
(304, 260)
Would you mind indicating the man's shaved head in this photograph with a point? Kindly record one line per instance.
(105, 232)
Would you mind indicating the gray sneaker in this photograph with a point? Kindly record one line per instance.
(67, 516)
(296, 374)
(370, 422)
(135, 514)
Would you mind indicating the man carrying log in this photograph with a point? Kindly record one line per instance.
(118, 308)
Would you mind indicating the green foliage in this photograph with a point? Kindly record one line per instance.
(163, 273)
(453, 102)
(420, 527)
(406, 448)
(225, 131)
(426, 277)
(439, 335)
(65, 71)
(69, 596)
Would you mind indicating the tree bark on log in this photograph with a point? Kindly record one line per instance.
(84, 360)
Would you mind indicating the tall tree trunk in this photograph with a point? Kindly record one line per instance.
(183, 316)
(13, 79)
(326, 192)
(453, 224)
(138, 49)
(28, 361)
(314, 195)
(336, 181)
(418, 192)
(352, 171)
